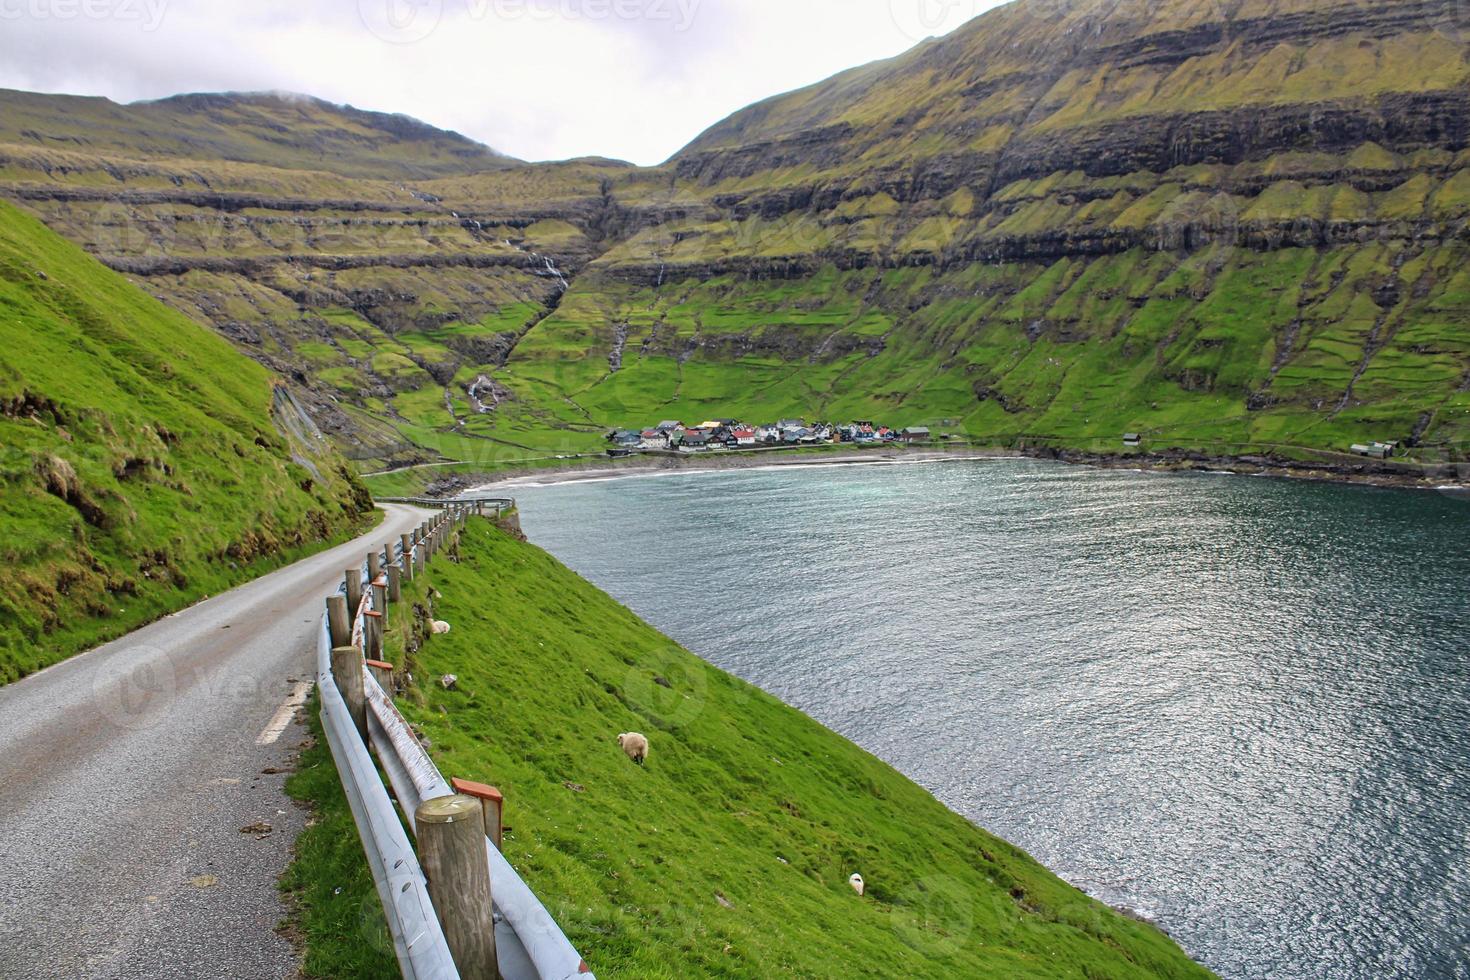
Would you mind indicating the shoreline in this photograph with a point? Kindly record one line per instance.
(1451, 478)
(709, 463)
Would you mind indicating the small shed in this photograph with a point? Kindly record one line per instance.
(916, 433)
(1132, 440)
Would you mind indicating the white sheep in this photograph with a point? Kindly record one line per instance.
(856, 881)
(635, 745)
(440, 627)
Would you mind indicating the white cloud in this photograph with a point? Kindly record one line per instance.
(539, 79)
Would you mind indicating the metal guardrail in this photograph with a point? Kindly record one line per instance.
(531, 946)
(473, 501)
(418, 939)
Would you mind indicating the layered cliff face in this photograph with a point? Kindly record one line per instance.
(362, 291)
(1234, 227)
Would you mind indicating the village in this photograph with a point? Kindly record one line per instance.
(732, 434)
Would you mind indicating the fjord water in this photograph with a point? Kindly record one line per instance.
(1238, 706)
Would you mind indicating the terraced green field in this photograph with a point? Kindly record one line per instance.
(1298, 353)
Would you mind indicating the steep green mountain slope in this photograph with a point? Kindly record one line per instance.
(1234, 227)
(280, 129)
(728, 853)
(143, 462)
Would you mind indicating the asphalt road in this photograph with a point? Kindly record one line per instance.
(128, 773)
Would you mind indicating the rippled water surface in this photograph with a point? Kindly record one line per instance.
(1239, 706)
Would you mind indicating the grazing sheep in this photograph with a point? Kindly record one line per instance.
(449, 682)
(635, 745)
(440, 627)
(856, 881)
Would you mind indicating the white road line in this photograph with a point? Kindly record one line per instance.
(284, 714)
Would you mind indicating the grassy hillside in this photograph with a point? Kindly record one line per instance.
(1229, 351)
(728, 854)
(335, 910)
(142, 460)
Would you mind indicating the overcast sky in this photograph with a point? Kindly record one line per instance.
(538, 79)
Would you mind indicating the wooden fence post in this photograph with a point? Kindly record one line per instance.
(383, 674)
(347, 672)
(372, 634)
(338, 621)
(395, 584)
(451, 839)
(380, 597)
(375, 566)
(354, 594)
(493, 802)
(408, 556)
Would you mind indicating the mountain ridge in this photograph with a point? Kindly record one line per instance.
(279, 128)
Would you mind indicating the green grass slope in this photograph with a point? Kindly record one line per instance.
(336, 914)
(1298, 354)
(728, 854)
(141, 465)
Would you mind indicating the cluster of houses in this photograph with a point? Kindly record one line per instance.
(671, 436)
